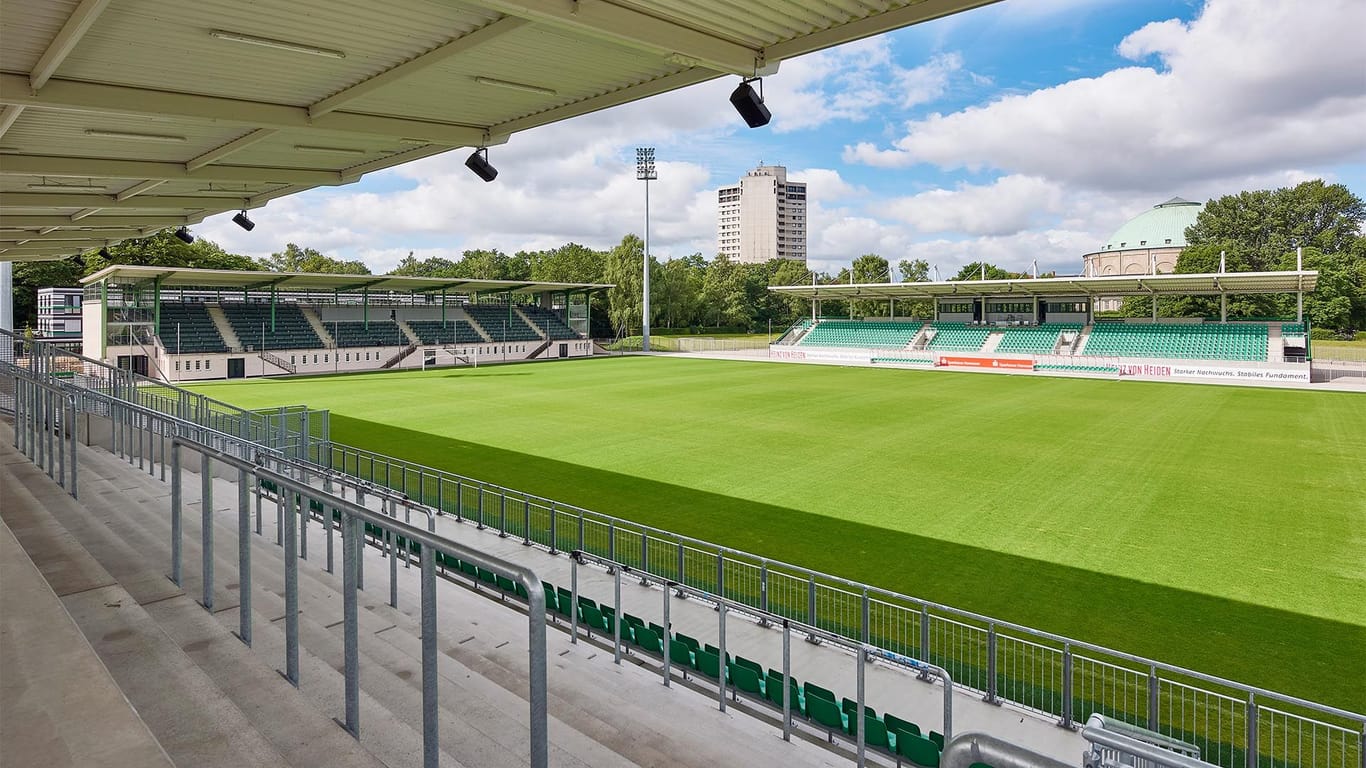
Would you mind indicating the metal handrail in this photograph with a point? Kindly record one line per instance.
(352, 513)
(971, 748)
(724, 605)
(855, 588)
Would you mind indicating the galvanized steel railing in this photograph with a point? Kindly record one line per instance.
(1237, 725)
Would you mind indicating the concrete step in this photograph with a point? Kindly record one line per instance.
(188, 715)
(289, 723)
(50, 676)
(483, 668)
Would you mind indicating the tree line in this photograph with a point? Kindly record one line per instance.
(1257, 231)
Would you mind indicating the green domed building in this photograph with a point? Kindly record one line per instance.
(1148, 243)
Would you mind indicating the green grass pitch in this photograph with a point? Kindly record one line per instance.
(1220, 528)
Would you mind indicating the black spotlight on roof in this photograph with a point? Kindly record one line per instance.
(184, 235)
(104, 253)
(479, 163)
(242, 221)
(749, 104)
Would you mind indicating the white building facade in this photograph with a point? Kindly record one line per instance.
(762, 217)
(59, 314)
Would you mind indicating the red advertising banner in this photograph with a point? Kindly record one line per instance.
(1007, 363)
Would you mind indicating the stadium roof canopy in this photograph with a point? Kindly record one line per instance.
(119, 119)
(176, 277)
(1116, 285)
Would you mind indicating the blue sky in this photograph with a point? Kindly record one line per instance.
(1025, 130)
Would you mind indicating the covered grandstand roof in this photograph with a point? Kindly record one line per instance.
(1115, 285)
(177, 277)
(119, 119)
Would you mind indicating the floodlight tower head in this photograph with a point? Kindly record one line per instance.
(645, 164)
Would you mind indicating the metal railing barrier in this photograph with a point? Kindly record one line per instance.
(1115, 745)
(969, 749)
(861, 652)
(352, 516)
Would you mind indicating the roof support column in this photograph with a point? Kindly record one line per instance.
(156, 305)
(364, 307)
(443, 306)
(272, 310)
(104, 321)
(1223, 307)
(1154, 307)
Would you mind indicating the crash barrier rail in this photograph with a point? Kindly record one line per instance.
(300, 497)
(1236, 725)
(861, 652)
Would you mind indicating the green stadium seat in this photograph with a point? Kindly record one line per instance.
(746, 679)
(875, 732)
(897, 725)
(648, 641)
(690, 642)
(918, 750)
(813, 690)
(827, 713)
(681, 655)
(708, 664)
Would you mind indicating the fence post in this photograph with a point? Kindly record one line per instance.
(502, 514)
(206, 528)
(554, 537)
(431, 733)
(681, 572)
(644, 557)
(860, 727)
(176, 501)
(244, 558)
(616, 616)
(668, 637)
(787, 681)
(721, 655)
(460, 501)
(612, 543)
(721, 576)
(864, 619)
(480, 506)
(580, 531)
(573, 599)
(1152, 697)
(990, 698)
(440, 502)
(291, 672)
(1252, 751)
(811, 607)
(1066, 721)
(924, 634)
(351, 647)
(763, 592)
(526, 521)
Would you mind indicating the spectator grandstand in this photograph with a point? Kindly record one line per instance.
(1034, 340)
(188, 328)
(861, 333)
(550, 323)
(500, 323)
(453, 332)
(261, 326)
(1191, 341)
(324, 323)
(956, 337)
(376, 333)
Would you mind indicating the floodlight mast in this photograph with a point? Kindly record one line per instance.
(645, 171)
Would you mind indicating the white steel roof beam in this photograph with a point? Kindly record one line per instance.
(87, 168)
(71, 95)
(96, 223)
(218, 153)
(435, 56)
(65, 42)
(868, 26)
(7, 117)
(42, 200)
(139, 188)
(634, 29)
(610, 99)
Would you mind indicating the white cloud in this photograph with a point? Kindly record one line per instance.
(1006, 206)
(1251, 86)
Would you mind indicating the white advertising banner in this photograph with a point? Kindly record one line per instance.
(820, 354)
(1196, 371)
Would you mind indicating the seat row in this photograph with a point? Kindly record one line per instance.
(820, 706)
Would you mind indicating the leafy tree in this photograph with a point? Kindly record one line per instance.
(296, 259)
(973, 271)
(623, 269)
(410, 266)
(871, 268)
(914, 271)
(678, 289)
(570, 263)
